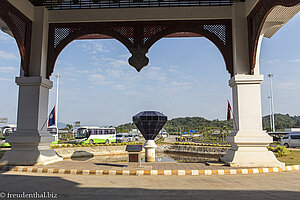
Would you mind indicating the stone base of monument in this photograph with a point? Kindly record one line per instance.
(150, 147)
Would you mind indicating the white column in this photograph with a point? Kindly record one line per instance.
(249, 142)
(30, 143)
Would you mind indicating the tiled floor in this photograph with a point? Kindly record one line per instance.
(94, 165)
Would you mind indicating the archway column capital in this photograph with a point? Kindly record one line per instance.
(34, 81)
(245, 79)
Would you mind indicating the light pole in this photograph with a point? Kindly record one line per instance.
(272, 102)
(271, 125)
(56, 117)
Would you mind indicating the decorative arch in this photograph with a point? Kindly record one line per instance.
(21, 28)
(218, 34)
(256, 20)
(138, 37)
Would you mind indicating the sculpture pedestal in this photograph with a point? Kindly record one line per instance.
(150, 147)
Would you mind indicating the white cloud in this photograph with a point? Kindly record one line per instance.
(98, 79)
(155, 73)
(115, 73)
(8, 56)
(119, 87)
(5, 79)
(131, 93)
(295, 60)
(7, 69)
(119, 63)
(94, 47)
(5, 38)
(288, 85)
(125, 55)
(173, 69)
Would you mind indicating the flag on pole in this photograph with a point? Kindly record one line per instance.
(52, 117)
(228, 111)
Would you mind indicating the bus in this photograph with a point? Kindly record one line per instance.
(7, 130)
(95, 134)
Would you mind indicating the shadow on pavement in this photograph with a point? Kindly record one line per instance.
(66, 189)
(110, 165)
(81, 156)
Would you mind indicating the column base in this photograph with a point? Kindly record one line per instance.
(30, 157)
(250, 150)
(30, 148)
(150, 147)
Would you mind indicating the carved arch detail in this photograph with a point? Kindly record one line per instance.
(256, 20)
(138, 37)
(21, 28)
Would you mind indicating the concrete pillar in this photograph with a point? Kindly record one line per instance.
(150, 147)
(249, 142)
(30, 143)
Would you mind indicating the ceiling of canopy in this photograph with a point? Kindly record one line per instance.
(96, 4)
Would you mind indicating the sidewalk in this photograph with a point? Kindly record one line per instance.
(123, 168)
(253, 187)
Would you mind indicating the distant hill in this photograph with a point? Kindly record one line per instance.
(184, 124)
(195, 123)
(282, 122)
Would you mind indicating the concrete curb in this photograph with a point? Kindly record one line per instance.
(148, 172)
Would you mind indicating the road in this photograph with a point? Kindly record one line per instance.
(256, 186)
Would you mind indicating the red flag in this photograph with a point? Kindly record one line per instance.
(228, 112)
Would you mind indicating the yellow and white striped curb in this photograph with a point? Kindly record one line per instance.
(148, 172)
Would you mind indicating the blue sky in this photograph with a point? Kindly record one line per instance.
(185, 77)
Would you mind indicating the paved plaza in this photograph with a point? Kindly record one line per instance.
(284, 185)
(94, 165)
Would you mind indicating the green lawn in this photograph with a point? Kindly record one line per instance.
(292, 159)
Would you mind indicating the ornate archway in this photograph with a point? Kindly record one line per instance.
(138, 37)
(20, 27)
(256, 20)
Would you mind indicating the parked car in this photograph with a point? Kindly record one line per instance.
(291, 140)
(122, 137)
(133, 137)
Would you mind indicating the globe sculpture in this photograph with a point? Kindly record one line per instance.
(149, 123)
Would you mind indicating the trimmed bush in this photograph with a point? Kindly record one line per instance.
(279, 151)
(201, 144)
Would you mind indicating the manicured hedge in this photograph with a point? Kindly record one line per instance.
(95, 145)
(279, 151)
(201, 144)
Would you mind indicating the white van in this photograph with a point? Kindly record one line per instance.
(122, 137)
(291, 140)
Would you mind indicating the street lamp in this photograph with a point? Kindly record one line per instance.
(272, 102)
(271, 125)
(56, 117)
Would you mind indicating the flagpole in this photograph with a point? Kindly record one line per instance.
(56, 109)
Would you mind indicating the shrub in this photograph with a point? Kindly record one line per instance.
(280, 151)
